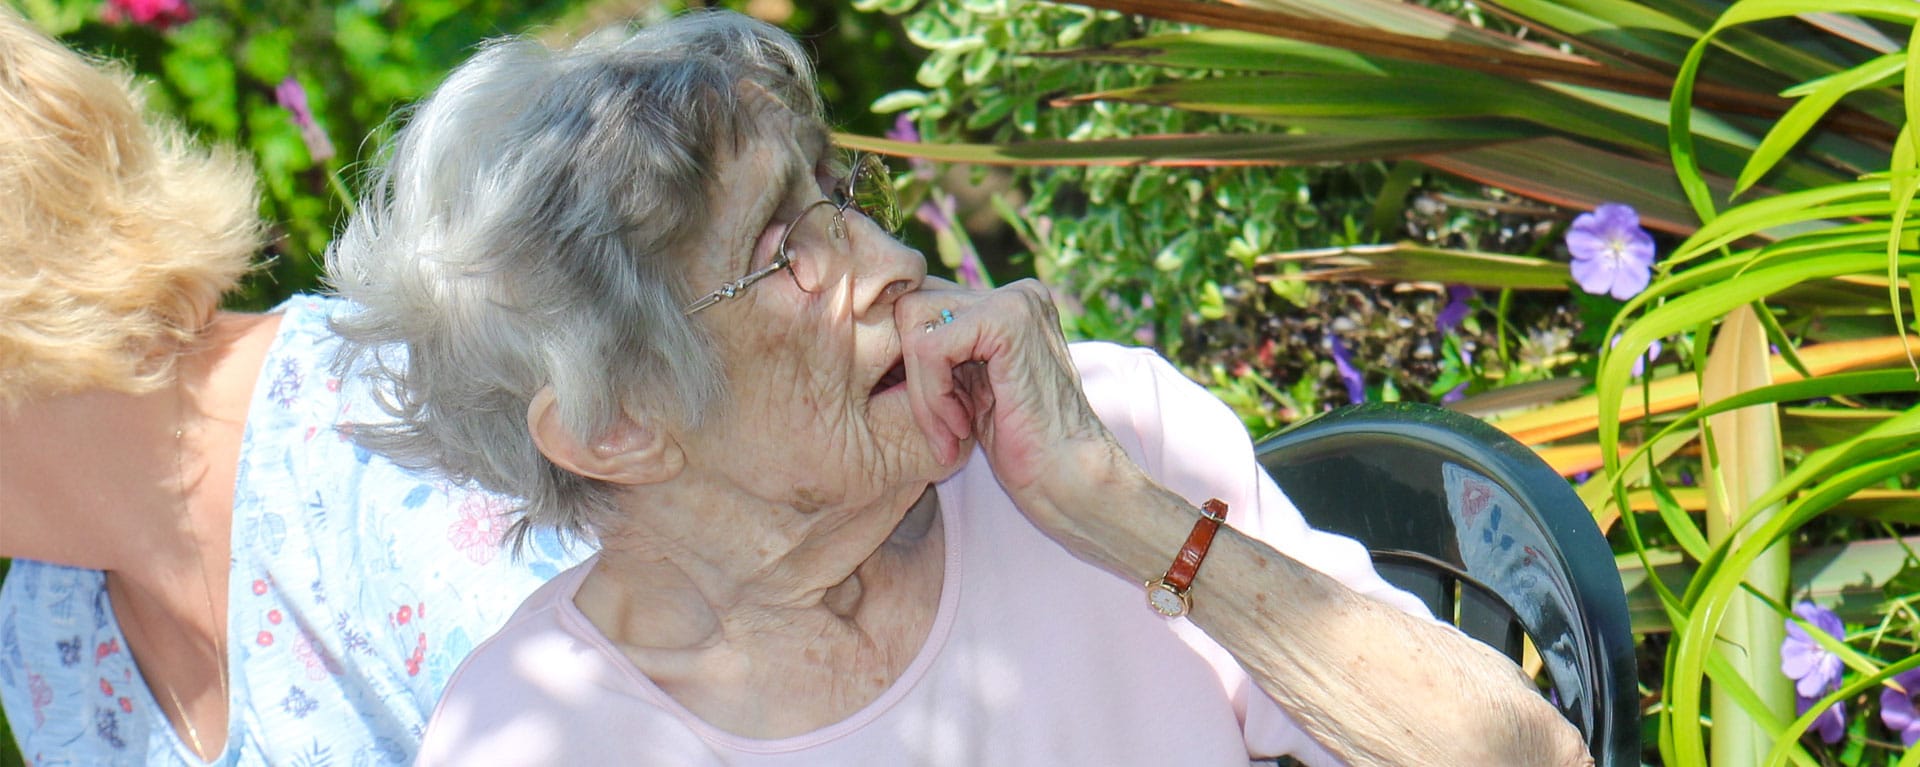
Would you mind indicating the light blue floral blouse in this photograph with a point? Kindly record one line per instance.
(356, 588)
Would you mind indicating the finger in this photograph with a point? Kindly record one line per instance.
(938, 436)
(942, 342)
(922, 404)
(975, 385)
(929, 362)
(932, 371)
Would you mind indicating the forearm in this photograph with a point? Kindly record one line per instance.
(1375, 685)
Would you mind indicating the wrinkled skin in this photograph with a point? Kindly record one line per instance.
(805, 472)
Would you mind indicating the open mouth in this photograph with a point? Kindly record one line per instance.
(894, 376)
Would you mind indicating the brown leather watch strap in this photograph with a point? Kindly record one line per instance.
(1186, 564)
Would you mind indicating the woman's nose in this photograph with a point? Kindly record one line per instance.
(885, 267)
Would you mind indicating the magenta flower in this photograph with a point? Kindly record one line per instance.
(1898, 709)
(159, 14)
(1349, 375)
(1814, 671)
(1612, 254)
(293, 98)
(941, 215)
(904, 130)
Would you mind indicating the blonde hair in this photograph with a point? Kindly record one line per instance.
(117, 234)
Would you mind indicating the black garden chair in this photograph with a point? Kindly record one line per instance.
(1474, 523)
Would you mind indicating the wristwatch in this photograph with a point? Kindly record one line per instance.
(1170, 595)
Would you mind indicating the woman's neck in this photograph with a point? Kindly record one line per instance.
(730, 622)
(681, 579)
(141, 486)
(104, 480)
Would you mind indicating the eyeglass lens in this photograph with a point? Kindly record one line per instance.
(873, 193)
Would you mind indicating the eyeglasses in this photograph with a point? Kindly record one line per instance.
(867, 188)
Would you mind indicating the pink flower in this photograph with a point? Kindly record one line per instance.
(315, 657)
(941, 214)
(904, 130)
(159, 14)
(293, 98)
(480, 529)
(42, 694)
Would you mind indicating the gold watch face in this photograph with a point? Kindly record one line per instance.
(1163, 599)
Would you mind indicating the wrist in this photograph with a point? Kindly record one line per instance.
(1108, 512)
(1171, 593)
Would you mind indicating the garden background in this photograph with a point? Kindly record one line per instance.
(1662, 241)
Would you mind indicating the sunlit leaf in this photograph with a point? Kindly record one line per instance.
(1191, 149)
(1743, 461)
(1811, 108)
(1406, 262)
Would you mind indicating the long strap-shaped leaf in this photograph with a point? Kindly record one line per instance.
(1688, 92)
(1196, 149)
(1477, 58)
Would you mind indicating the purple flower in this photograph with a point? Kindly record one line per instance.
(1612, 255)
(1814, 671)
(1640, 365)
(1898, 708)
(903, 130)
(1349, 375)
(1831, 724)
(293, 98)
(1456, 308)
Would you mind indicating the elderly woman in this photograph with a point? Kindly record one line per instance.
(205, 569)
(845, 514)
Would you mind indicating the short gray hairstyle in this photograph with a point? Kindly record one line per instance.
(528, 228)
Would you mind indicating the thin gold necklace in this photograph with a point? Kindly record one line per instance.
(199, 559)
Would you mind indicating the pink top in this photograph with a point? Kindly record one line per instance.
(1034, 657)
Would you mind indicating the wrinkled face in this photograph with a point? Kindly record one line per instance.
(816, 414)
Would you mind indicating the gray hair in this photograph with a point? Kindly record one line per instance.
(528, 228)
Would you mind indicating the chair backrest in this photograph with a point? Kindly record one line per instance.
(1494, 541)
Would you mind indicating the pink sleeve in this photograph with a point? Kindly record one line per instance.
(1194, 445)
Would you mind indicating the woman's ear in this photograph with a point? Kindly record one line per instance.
(631, 452)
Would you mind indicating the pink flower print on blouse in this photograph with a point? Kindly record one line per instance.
(481, 527)
(42, 698)
(319, 664)
(418, 657)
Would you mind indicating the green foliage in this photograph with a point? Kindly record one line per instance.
(1795, 110)
(1136, 247)
(1858, 234)
(358, 62)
